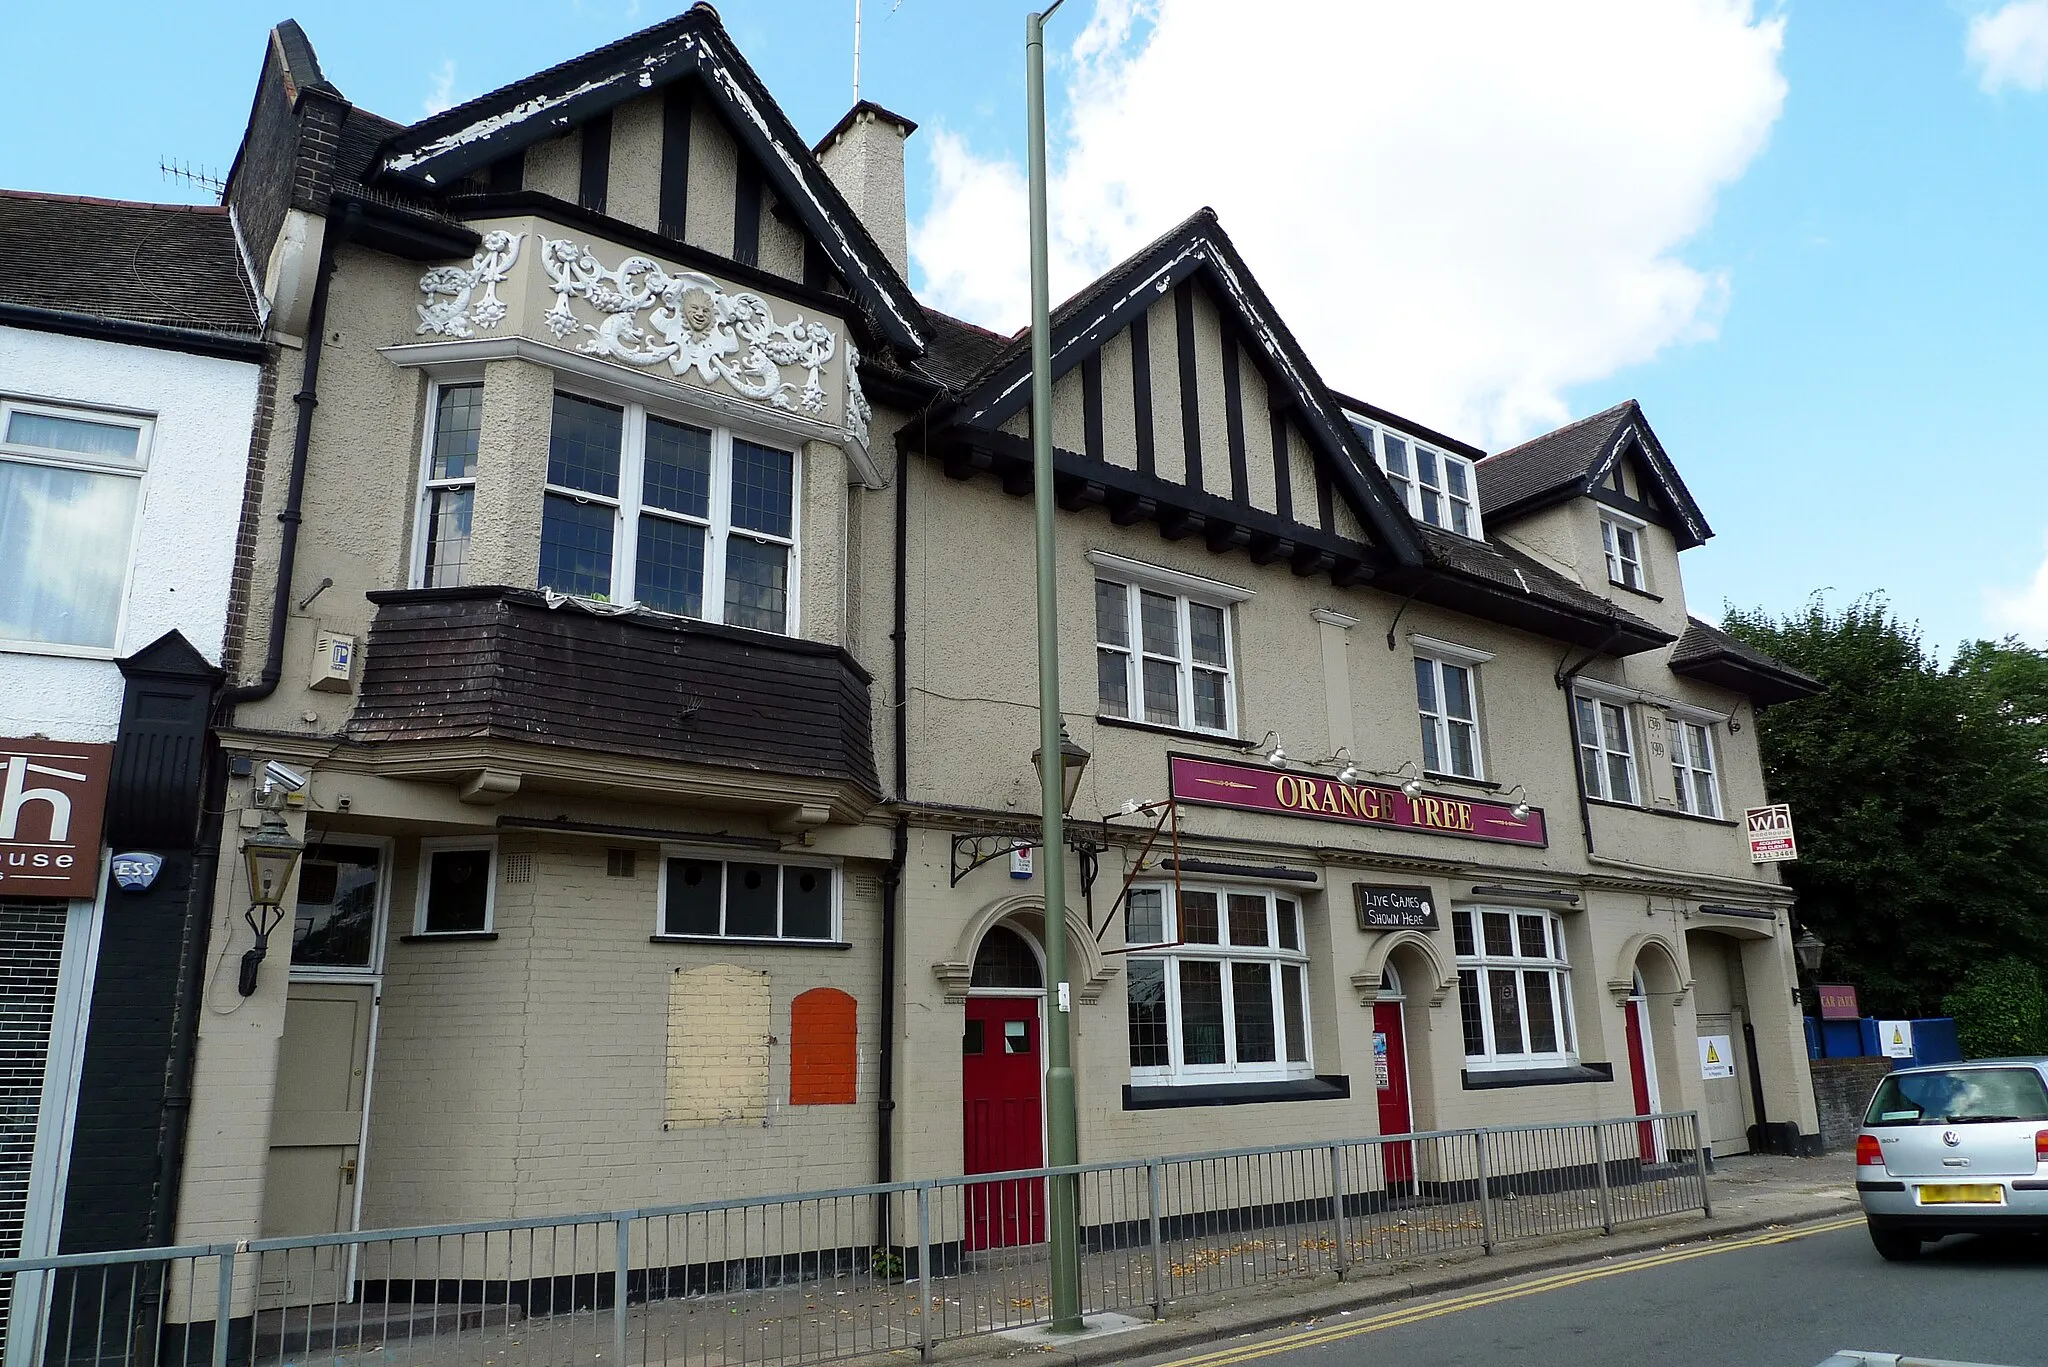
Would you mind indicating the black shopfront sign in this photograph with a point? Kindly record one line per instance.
(1385, 908)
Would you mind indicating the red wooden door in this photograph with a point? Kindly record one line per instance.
(1390, 1074)
(1639, 1079)
(1001, 1081)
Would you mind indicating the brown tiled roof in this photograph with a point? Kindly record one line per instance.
(1708, 653)
(165, 265)
(1554, 461)
(960, 351)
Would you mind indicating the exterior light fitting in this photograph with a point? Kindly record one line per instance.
(1807, 949)
(1277, 756)
(1349, 775)
(1520, 811)
(1412, 786)
(1073, 759)
(272, 852)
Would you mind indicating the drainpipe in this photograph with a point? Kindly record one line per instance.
(899, 851)
(307, 399)
(1571, 716)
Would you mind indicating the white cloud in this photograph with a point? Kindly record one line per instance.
(2022, 612)
(441, 95)
(1462, 208)
(2009, 46)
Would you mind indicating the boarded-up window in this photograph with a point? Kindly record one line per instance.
(718, 1026)
(823, 1050)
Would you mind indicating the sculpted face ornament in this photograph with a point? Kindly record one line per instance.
(1951, 1138)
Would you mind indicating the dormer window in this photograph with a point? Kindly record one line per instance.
(1435, 485)
(1622, 540)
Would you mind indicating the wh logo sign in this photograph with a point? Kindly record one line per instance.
(51, 799)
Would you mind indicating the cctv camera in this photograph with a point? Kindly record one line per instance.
(288, 779)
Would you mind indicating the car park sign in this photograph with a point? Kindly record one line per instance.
(1770, 834)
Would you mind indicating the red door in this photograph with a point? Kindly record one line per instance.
(1390, 1074)
(1001, 1077)
(1639, 1079)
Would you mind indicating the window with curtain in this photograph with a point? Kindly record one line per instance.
(1217, 985)
(70, 488)
(642, 508)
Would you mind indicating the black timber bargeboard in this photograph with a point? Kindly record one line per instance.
(498, 663)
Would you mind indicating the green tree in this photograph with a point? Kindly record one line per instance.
(1920, 796)
(1999, 1012)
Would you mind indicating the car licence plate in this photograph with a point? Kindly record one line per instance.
(1966, 1194)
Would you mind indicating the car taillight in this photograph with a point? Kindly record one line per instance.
(2041, 1146)
(1870, 1154)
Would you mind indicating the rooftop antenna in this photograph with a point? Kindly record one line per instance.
(856, 51)
(200, 179)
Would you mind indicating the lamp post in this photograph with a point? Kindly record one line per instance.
(1062, 1149)
(272, 852)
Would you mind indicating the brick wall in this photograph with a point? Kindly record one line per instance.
(1841, 1089)
(31, 952)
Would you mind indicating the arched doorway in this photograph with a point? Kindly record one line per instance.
(1390, 1074)
(1642, 1067)
(1002, 1087)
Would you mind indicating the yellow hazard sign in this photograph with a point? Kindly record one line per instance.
(1717, 1056)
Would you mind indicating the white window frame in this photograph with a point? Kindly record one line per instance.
(1172, 953)
(426, 483)
(1409, 487)
(1136, 578)
(429, 847)
(1556, 963)
(834, 869)
(1693, 771)
(1440, 655)
(1613, 526)
(718, 528)
(1601, 744)
(23, 454)
(386, 868)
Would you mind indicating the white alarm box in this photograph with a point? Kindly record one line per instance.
(334, 662)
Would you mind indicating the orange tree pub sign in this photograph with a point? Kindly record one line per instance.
(1254, 788)
(52, 795)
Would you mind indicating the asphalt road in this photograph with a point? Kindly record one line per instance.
(1758, 1301)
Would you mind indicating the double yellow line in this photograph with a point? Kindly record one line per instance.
(1473, 1300)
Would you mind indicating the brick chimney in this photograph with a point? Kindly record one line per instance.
(864, 156)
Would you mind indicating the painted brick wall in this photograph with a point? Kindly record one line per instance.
(31, 950)
(528, 1075)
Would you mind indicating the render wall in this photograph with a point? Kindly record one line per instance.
(190, 508)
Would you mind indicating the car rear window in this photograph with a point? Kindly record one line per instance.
(1959, 1096)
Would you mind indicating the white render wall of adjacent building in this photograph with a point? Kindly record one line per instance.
(183, 561)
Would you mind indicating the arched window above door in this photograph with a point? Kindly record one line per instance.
(1005, 959)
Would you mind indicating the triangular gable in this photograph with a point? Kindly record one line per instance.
(436, 153)
(1198, 249)
(1578, 460)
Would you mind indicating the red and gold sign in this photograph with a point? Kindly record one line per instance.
(1254, 788)
(1838, 1002)
(52, 797)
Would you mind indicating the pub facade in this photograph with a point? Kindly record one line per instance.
(650, 699)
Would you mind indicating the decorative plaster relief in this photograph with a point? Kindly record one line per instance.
(691, 323)
(858, 410)
(456, 316)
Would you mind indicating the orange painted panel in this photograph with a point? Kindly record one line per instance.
(823, 1048)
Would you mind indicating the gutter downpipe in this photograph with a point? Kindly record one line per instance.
(307, 399)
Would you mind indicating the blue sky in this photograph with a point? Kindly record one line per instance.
(1827, 286)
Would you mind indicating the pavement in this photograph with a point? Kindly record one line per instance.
(1750, 1193)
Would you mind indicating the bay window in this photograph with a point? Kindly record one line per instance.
(1514, 988)
(1217, 985)
(450, 486)
(70, 487)
(1607, 758)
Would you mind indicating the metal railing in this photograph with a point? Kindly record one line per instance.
(817, 1276)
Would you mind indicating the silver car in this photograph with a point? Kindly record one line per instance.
(1955, 1148)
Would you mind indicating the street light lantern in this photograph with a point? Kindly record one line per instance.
(1073, 759)
(272, 852)
(1808, 949)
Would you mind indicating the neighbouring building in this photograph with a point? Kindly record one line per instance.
(656, 647)
(132, 371)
